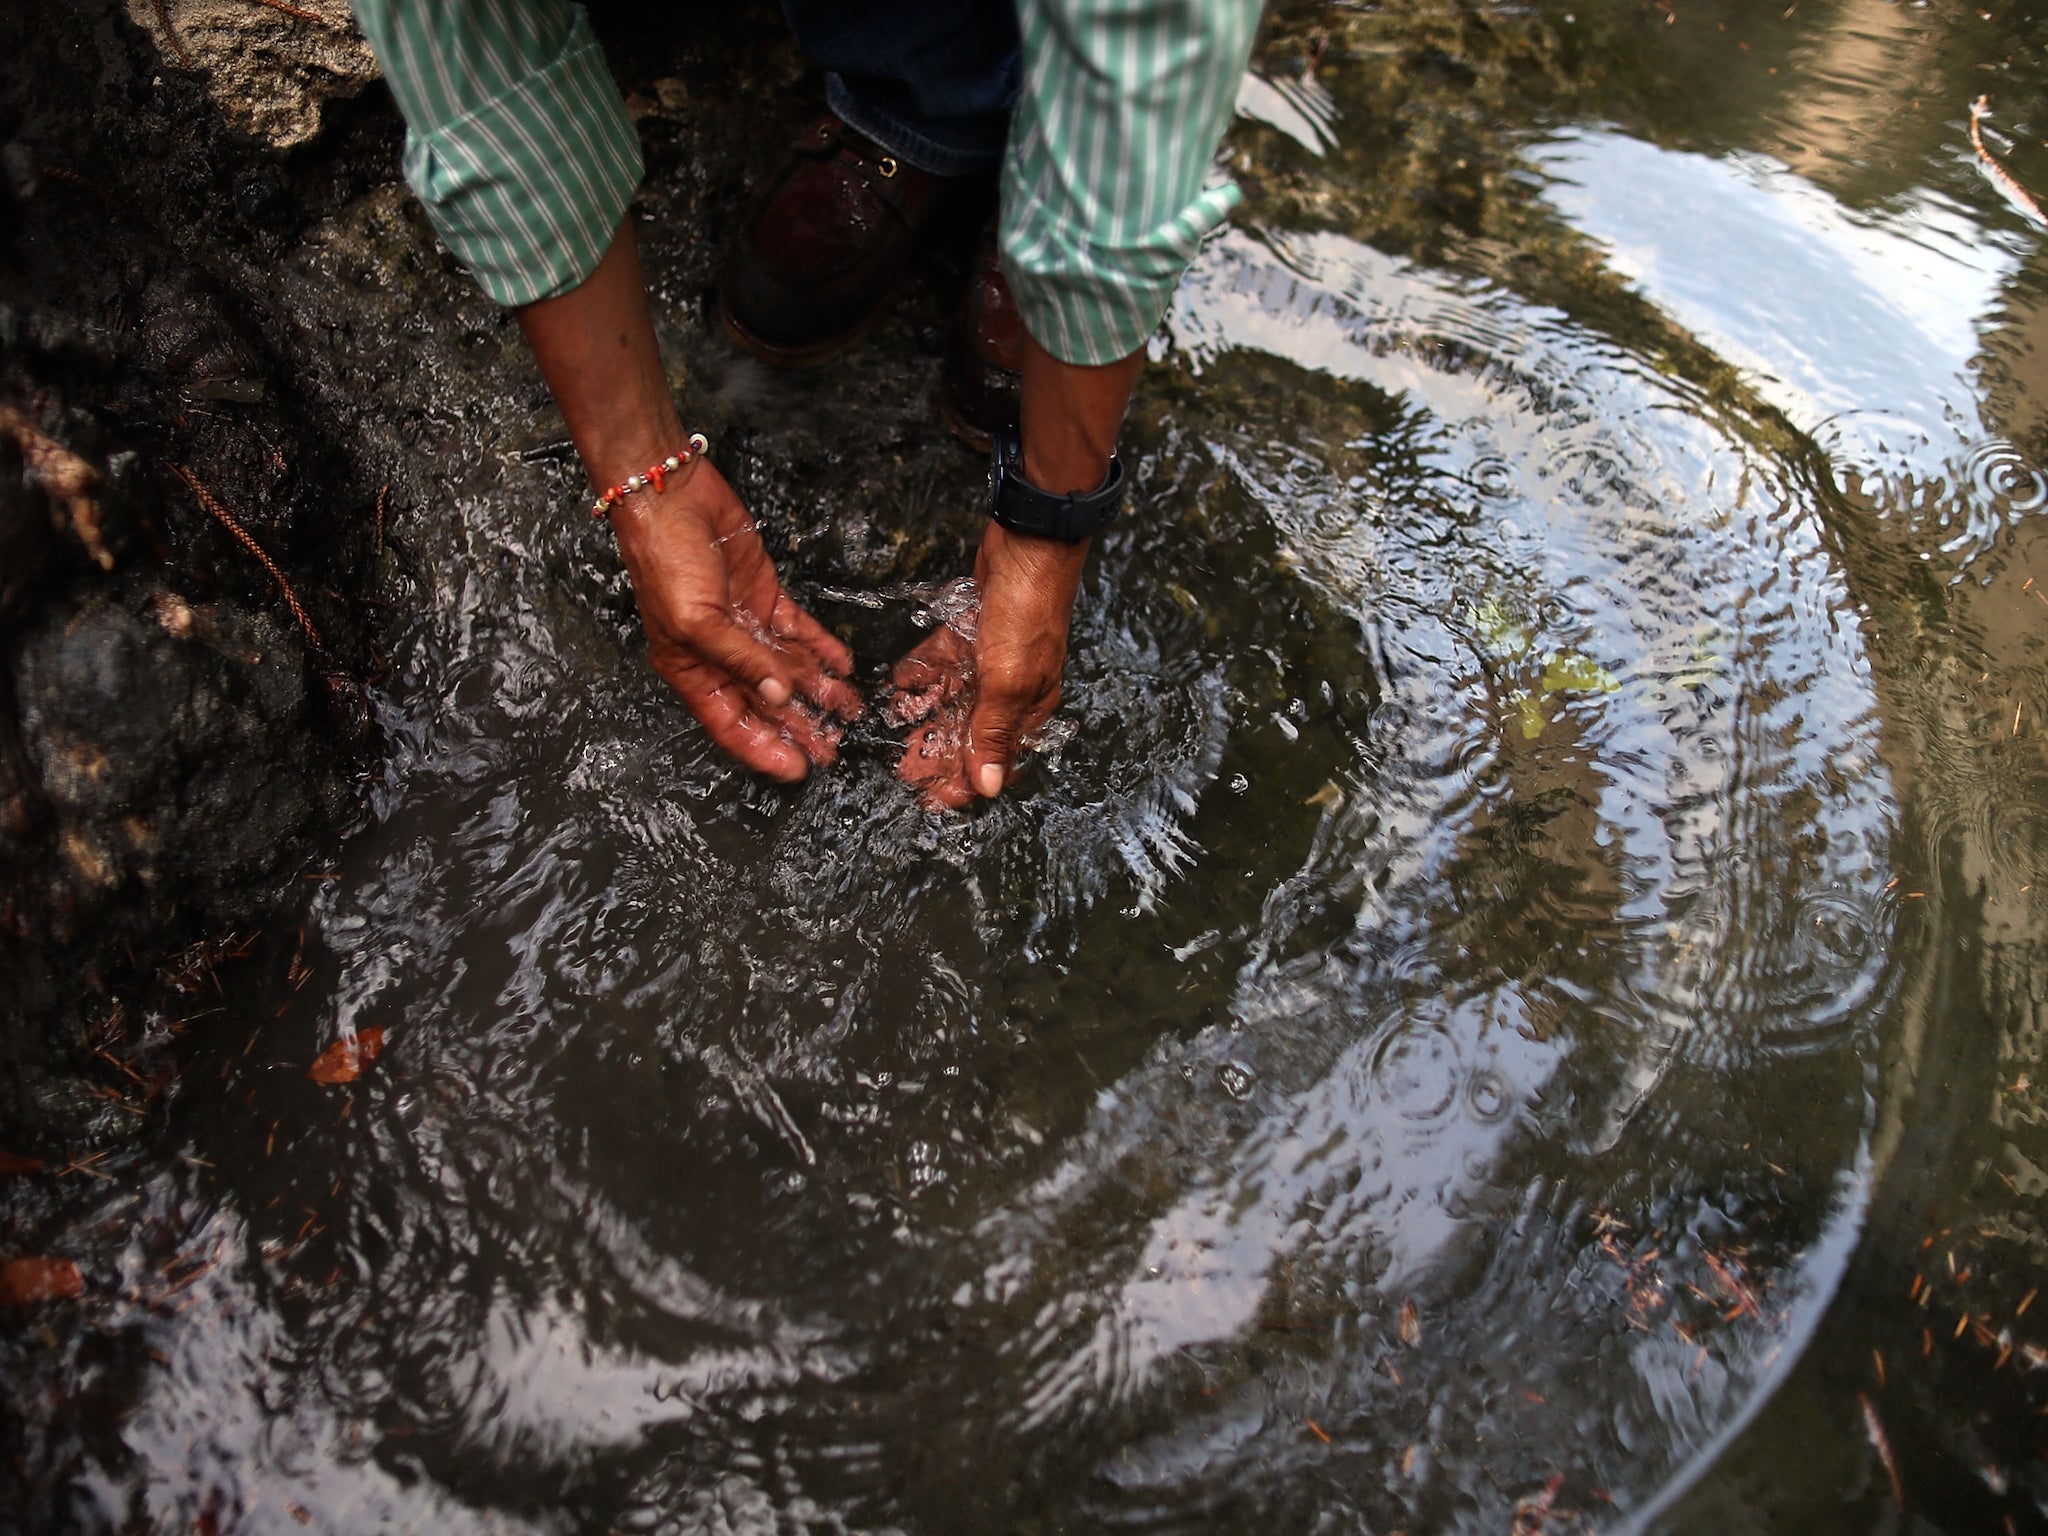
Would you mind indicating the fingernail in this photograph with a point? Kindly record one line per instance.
(990, 779)
(775, 690)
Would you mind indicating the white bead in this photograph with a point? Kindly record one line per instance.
(672, 462)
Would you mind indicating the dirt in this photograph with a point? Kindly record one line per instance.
(179, 720)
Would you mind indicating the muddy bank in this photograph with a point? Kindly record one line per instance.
(185, 547)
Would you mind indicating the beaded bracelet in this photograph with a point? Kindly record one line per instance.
(653, 475)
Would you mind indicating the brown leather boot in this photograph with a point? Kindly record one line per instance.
(824, 244)
(982, 381)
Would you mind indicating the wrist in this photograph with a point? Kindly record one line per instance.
(1065, 464)
(1013, 568)
(631, 505)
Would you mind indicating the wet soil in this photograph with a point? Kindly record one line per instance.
(182, 704)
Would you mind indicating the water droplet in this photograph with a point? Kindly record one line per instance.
(1237, 1079)
(1486, 1096)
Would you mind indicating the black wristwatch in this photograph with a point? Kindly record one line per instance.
(1022, 507)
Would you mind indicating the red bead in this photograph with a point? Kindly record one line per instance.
(657, 474)
(616, 493)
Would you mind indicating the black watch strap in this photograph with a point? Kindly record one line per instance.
(1022, 507)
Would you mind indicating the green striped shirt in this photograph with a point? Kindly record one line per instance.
(519, 146)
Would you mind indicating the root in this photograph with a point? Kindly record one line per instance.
(163, 19)
(226, 519)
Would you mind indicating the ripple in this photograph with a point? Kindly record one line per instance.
(1417, 1070)
(1998, 473)
(1807, 975)
(1488, 1096)
(1494, 478)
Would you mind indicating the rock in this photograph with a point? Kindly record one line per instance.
(172, 745)
(272, 71)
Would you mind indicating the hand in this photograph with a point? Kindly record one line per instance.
(766, 680)
(980, 684)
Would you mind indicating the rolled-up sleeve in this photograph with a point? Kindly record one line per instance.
(1109, 182)
(517, 141)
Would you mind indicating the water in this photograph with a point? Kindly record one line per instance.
(1516, 977)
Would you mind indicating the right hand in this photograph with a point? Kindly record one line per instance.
(765, 679)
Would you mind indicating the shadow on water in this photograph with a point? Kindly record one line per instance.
(1470, 1031)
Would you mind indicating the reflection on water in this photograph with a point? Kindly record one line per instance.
(1860, 328)
(1424, 1053)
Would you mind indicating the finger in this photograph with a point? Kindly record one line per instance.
(821, 659)
(794, 623)
(931, 677)
(998, 724)
(932, 764)
(816, 736)
(832, 695)
(728, 647)
(726, 711)
(907, 706)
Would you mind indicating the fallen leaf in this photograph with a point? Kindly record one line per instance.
(345, 1060)
(1573, 673)
(10, 1164)
(25, 1281)
(299, 1513)
(1411, 1324)
(1502, 631)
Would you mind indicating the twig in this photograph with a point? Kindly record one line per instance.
(1980, 109)
(226, 519)
(383, 491)
(1882, 1445)
(72, 179)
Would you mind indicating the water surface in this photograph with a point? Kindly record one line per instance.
(1530, 932)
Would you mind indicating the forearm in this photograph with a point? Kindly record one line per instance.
(1069, 417)
(596, 348)
(517, 141)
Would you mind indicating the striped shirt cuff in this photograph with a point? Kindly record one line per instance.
(528, 188)
(1108, 182)
(1090, 304)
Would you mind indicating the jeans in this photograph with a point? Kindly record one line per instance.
(931, 81)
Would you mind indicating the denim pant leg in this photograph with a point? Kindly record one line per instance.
(931, 81)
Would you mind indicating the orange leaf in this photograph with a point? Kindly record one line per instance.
(1411, 1325)
(23, 1281)
(344, 1061)
(12, 1163)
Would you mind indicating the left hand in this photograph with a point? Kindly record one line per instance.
(975, 692)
